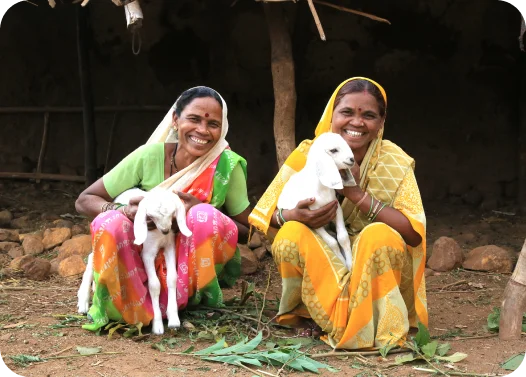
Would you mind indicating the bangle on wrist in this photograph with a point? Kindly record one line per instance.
(373, 213)
(280, 212)
(357, 205)
(376, 214)
(277, 218)
(370, 209)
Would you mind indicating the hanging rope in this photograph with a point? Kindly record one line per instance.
(134, 18)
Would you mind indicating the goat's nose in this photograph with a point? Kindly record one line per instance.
(351, 160)
(165, 231)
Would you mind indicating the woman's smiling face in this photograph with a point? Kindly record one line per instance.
(199, 126)
(357, 119)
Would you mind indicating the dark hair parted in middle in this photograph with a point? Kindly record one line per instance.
(193, 93)
(356, 86)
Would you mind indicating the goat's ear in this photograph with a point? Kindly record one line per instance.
(140, 228)
(327, 171)
(180, 216)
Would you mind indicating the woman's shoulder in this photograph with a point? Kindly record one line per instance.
(390, 149)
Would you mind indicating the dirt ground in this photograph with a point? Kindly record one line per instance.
(33, 314)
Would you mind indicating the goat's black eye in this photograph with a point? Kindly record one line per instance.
(334, 150)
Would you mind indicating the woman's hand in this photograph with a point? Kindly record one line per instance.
(188, 200)
(354, 193)
(314, 219)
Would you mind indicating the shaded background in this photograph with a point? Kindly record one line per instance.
(451, 70)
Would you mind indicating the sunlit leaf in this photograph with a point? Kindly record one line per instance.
(88, 350)
(455, 358)
(513, 362)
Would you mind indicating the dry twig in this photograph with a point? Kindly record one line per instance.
(364, 14)
(357, 353)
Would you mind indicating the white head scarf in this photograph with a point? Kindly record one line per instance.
(166, 134)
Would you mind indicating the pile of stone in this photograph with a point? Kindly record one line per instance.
(253, 253)
(447, 255)
(27, 254)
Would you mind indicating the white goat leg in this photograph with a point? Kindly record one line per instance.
(343, 237)
(331, 242)
(172, 311)
(154, 286)
(83, 294)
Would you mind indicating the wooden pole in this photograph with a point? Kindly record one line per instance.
(90, 148)
(514, 301)
(283, 81)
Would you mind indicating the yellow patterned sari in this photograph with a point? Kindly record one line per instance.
(384, 294)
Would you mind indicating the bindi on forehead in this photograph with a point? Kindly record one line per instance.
(207, 115)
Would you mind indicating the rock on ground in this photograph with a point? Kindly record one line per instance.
(6, 246)
(80, 245)
(490, 258)
(255, 241)
(78, 229)
(32, 244)
(16, 252)
(55, 236)
(71, 266)
(260, 252)
(249, 261)
(447, 255)
(37, 269)
(9, 235)
(5, 218)
(21, 223)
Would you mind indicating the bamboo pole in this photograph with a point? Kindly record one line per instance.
(283, 81)
(514, 301)
(90, 148)
(51, 177)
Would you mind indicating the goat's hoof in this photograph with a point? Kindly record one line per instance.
(83, 307)
(157, 329)
(174, 324)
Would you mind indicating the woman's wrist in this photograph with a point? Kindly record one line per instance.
(354, 193)
(287, 214)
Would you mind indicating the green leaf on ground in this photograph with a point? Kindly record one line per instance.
(430, 349)
(455, 358)
(404, 359)
(513, 362)
(422, 336)
(493, 319)
(443, 348)
(88, 350)
(23, 360)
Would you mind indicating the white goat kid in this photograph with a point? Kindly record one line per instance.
(162, 206)
(328, 154)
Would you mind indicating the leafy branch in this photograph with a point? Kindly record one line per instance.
(244, 353)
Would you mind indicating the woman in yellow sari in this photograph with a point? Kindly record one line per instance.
(384, 294)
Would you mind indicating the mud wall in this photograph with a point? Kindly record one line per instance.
(450, 68)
